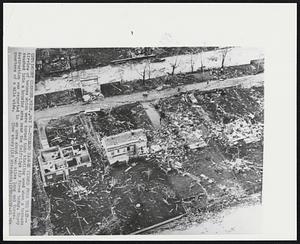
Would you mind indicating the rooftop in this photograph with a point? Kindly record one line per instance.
(125, 137)
(54, 153)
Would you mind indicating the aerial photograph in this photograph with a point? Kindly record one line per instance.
(147, 140)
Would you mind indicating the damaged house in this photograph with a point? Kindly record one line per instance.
(193, 139)
(122, 146)
(57, 164)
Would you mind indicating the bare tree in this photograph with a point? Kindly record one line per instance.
(146, 70)
(149, 70)
(192, 63)
(174, 66)
(192, 51)
(143, 74)
(224, 53)
(201, 59)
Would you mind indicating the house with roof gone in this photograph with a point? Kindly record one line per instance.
(122, 146)
(58, 164)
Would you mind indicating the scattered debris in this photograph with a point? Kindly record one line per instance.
(199, 160)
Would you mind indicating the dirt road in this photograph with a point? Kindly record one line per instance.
(55, 112)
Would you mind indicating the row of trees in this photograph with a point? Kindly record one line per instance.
(146, 71)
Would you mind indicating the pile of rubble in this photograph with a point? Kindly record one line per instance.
(239, 165)
(234, 71)
(53, 99)
(181, 130)
(120, 119)
(65, 131)
(239, 129)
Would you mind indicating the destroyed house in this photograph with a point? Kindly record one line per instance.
(240, 129)
(122, 146)
(57, 164)
(193, 139)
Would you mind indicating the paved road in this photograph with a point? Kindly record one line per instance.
(55, 112)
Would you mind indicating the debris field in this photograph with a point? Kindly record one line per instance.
(206, 155)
